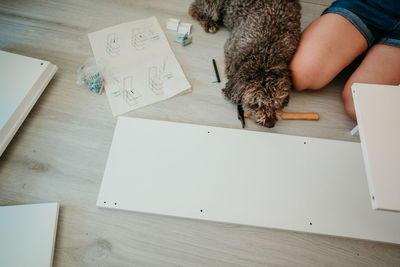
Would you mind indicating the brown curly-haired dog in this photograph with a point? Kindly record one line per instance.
(264, 38)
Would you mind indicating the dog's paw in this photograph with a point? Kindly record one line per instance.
(201, 12)
(209, 26)
(212, 29)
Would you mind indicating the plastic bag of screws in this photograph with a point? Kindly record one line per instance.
(90, 74)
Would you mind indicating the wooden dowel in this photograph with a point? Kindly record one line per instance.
(296, 116)
(101, 88)
(300, 116)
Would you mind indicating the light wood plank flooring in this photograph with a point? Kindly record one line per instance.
(59, 153)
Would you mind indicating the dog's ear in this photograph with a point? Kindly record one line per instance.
(279, 87)
(234, 89)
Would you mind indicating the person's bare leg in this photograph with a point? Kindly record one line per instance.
(327, 46)
(381, 65)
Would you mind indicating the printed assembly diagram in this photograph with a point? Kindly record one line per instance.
(157, 76)
(125, 90)
(129, 93)
(139, 67)
(112, 45)
(144, 35)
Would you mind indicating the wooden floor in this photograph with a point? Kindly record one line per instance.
(60, 151)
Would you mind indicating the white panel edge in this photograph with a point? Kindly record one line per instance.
(23, 110)
(374, 202)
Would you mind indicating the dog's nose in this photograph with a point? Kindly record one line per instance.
(269, 123)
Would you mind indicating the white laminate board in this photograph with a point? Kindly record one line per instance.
(242, 177)
(27, 235)
(22, 81)
(377, 109)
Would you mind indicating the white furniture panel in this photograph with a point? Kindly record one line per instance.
(22, 81)
(27, 235)
(378, 110)
(242, 177)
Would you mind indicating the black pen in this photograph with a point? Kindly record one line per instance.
(240, 112)
(216, 70)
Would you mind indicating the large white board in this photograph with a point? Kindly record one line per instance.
(378, 110)
(22, 81)
(242, 177)
(27, 235)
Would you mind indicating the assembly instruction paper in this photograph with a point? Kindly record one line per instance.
(139, 65)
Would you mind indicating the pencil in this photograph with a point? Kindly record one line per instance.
(216, 70)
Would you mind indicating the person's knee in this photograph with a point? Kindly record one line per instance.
(304, 74)
(299, 69)
(348, 101)
(296, 69)
(350, 111)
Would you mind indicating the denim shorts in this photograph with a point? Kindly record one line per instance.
(377, 20)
